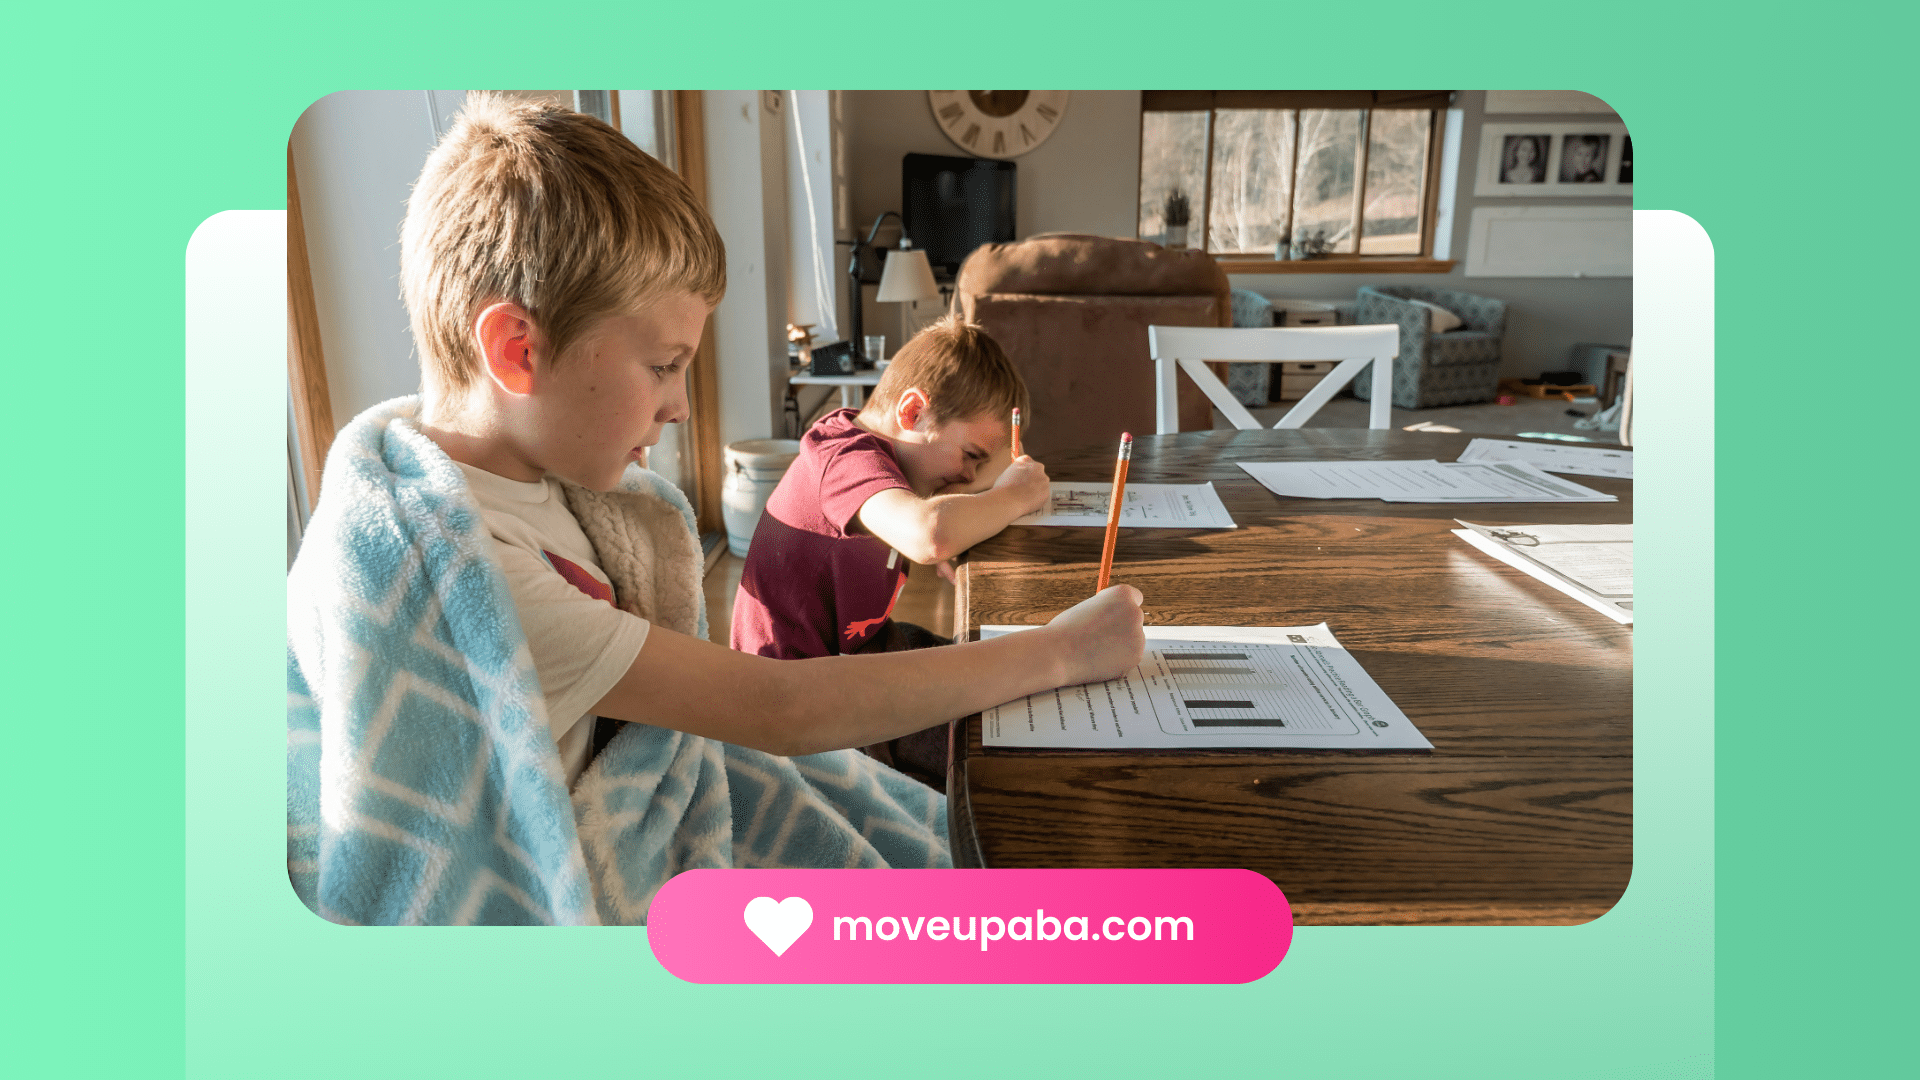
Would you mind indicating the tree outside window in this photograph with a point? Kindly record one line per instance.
(1260, 167)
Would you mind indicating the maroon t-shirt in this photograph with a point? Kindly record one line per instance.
(814, 585)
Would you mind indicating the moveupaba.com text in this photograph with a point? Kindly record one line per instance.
(1039, 926)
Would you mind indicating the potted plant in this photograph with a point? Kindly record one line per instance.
(1176, 213)
(1316, 246)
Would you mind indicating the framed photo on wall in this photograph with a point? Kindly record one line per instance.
(1565, 158)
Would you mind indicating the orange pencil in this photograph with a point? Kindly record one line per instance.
(1016, 433)
(1114, 504)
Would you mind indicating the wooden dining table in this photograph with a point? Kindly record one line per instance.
(1521, 813)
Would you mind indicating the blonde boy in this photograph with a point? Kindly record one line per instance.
(558, 281)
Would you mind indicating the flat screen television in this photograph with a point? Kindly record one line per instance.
(954, 204)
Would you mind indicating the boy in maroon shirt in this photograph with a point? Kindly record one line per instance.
(922, 472)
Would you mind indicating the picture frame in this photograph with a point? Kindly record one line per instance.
(1561, 158)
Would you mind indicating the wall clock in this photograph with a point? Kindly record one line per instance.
(997, 123)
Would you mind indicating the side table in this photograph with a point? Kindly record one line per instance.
(852, 392)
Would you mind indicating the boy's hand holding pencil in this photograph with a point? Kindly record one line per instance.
(1032, 478)
(1027, 480)
(1103, 635)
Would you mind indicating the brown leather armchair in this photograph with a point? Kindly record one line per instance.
(1072, 313)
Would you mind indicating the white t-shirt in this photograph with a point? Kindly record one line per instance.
(581, 643)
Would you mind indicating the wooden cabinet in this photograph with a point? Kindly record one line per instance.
(1299, 376)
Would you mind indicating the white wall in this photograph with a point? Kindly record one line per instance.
(1086, 179)
(747, 195)
(356, 154)
(813, 261)
(1546, 317)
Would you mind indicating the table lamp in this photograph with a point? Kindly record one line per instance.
(906, 276)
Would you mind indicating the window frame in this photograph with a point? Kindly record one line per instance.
(1434, 102)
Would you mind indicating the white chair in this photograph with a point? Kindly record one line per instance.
(1185, 348)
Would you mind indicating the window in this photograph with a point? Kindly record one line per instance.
(1347, 173)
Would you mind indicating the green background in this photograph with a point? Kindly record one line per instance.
(139, 945)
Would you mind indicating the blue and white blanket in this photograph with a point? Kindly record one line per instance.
(423, 784)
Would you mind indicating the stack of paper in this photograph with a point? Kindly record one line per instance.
(1215, 686)
(1591, 563)
(1152, 506)
(1419, 481)
(1584, 460)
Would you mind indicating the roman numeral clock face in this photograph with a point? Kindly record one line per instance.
(998, 123)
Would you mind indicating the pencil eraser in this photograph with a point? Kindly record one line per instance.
(1126, 436)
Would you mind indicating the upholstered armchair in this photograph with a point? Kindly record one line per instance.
(1072, 313)
(1458, 367)
(1251, 384)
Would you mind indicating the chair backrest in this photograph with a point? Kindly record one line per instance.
(1181, 348)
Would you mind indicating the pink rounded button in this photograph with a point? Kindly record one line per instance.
(970, 926)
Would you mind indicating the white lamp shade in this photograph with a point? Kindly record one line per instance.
(906, 276)
(802, 311)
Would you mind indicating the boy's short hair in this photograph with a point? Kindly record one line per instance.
(962, 370)
(552, 210)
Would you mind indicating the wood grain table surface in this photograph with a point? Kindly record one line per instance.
(1522, 813)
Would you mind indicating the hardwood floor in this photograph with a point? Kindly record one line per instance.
(927, 599)
(722, 582)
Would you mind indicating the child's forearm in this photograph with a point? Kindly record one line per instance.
(931, 530)
(792, 707)
(955, 523)
(850, 701)
(970, 519)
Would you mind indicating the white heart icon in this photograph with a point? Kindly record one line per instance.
(780, 924)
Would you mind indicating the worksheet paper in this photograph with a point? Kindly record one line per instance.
(1426, 481)
(1582, 460)
(1281, 687)
(1151, 506)
(1591, 563)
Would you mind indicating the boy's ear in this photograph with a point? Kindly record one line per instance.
(910, 408)
(505, 334)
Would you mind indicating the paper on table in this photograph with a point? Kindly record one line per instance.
(1215, 686)
(1582, 460)
(1591, 563)
(1417, 481)
(1515, 481)
(1152, 506)
(1348, 479)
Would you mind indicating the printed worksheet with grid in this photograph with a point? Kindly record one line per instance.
(1147, 506)
(1215, 686)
